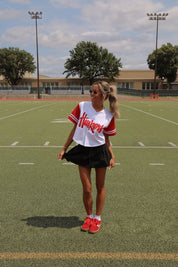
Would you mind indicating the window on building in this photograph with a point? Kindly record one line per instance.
(148, 86)
(118, 85)
(143, 86)
(131, 85)
(123, 85)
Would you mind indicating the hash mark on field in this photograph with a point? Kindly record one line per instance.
(46, 143)
(68, 163)
(26, 163)
(60, 121)
(156, 164)
(172, 144)
(15, 143)
(141, 144)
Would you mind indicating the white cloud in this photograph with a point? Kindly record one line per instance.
(122, 15)
(9, 14)
(120, 26)
(26, 2)
(67, 3)
(54, 65)
(18, 35)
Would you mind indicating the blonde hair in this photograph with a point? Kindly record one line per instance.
(110, 92)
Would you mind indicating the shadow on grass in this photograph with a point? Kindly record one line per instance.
(52, 221)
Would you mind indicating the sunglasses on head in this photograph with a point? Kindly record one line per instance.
(94, 92)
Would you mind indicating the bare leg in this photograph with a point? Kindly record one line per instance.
(86, 182)
(100, 198)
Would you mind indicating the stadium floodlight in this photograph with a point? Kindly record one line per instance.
(36, 16)
(157, 17)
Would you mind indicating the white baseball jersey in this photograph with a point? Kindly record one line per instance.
(92, 126)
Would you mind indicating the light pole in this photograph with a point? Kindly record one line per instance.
(157, 17)
(36, 16)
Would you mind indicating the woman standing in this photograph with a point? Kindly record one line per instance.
(93, 124)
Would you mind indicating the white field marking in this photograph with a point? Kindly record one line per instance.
(153, 115)
(18, 113)
(172, 144)
(89, 255)
(15, 143)
(26, 163)
(68, 163)
(61, 121)
(46, 143)
(156, 164)
(141, 144)
(120, 147)
(117, 163)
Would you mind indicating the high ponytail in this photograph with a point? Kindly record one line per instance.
(113, 101)
(110, 92)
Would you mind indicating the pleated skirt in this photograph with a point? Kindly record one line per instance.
(90, 157)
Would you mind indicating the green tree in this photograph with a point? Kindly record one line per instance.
(89, 61)
(167, 62)
(14, 63)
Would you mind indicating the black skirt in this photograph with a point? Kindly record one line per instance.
(90, 157)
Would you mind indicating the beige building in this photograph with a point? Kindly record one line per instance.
(128, 79)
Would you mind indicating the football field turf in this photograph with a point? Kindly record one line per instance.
(41, 207)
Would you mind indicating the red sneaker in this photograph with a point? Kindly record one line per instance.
(95, 226)
(85, 227)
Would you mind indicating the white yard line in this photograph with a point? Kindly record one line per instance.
(120, 147)
(22, 112)
(150, 114)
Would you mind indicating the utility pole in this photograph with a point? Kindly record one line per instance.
(157, 17)
(36, 16)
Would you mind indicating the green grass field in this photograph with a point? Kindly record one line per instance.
(41, 207)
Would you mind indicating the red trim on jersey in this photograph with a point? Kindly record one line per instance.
(111, 129)
(75, 115)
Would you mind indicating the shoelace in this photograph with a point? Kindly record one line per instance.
(88, 220)
(94, 222)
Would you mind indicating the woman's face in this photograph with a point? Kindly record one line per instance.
(96, 95)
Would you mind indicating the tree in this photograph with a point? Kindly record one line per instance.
(88, 61)
(14, 63)
(167, 62)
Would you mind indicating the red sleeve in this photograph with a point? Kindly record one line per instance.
(111, 129)
(75, 115)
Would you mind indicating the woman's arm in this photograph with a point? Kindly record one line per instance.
(68, 142)
(112, 161)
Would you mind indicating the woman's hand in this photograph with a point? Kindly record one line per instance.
(112, 163)
(61, 154)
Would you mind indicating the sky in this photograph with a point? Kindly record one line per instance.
(121, 26)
